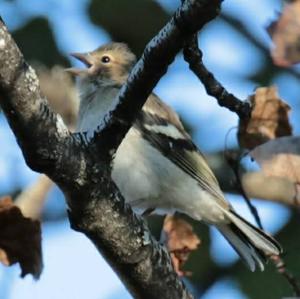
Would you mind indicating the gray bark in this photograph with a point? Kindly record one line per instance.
(80, 165)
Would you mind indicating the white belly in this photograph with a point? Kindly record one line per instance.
(149, 180)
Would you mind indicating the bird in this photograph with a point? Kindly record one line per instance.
(157, 166)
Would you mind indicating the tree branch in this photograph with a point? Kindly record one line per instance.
(25, 108)
(158, 55)
(193, 55)
(81, 165)
(234, 163)
(276, 259)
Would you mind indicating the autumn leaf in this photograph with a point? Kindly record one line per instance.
(180, 240)
(20, 239)
(268, 120)
(285, 33)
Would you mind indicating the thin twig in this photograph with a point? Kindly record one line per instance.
(193, 55)
(277, 260)
(281, 268)
(234, 163)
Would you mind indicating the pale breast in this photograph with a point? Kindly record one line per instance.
(95, 106)
(133, 170)
(147, 179)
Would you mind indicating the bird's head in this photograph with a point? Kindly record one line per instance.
(109, 64)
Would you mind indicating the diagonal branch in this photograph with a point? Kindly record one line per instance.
(193, 55)
(29, 115)
(158, 55)
(81, 165)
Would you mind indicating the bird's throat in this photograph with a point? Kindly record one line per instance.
(95, 105)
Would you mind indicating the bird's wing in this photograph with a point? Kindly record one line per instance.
(161, 127)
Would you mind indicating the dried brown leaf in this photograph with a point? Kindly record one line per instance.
(4, 258)
(285, 33)
(20, 239)
(280, 158)
(269, 119)
(180, 240)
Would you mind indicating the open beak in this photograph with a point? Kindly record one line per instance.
(85, 58)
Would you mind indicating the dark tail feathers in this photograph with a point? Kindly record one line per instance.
(252, 244)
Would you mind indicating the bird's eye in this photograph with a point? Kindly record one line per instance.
(105, 59)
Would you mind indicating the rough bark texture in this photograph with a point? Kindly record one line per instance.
(80, 164)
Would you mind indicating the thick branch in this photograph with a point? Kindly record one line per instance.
(81, 166)
(158, 54)
(33, 123)
(126, 243)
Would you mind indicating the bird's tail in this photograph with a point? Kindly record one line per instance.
(252, 244)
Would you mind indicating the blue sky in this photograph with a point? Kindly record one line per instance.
(228, 55)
